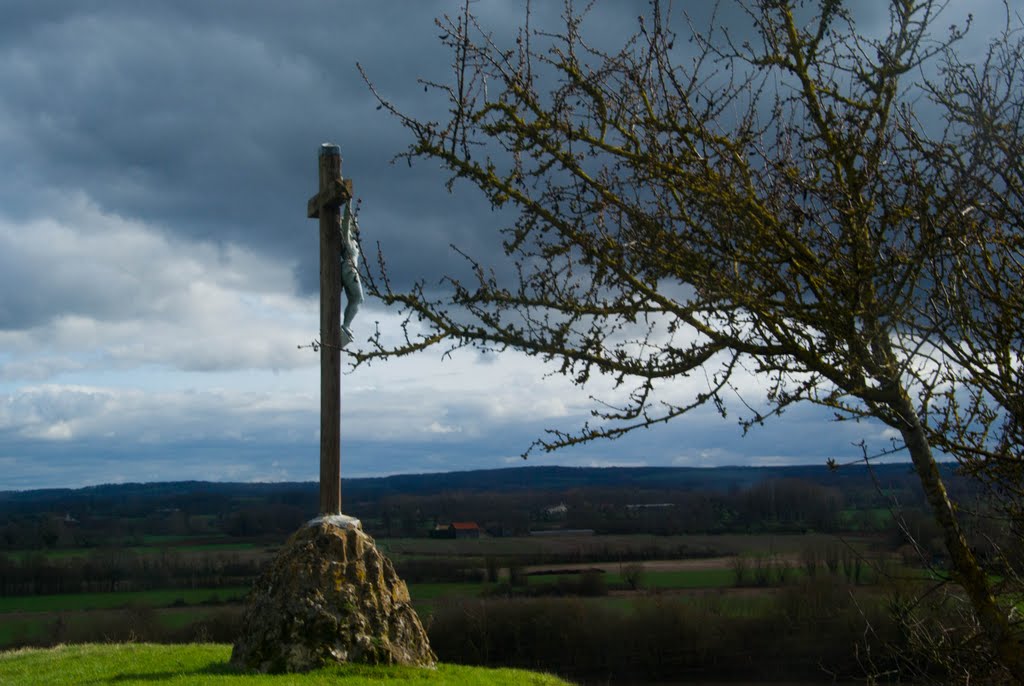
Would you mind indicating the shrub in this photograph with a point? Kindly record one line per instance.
(633, 575)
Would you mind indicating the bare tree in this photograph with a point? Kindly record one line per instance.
(973, 321)
(699, 204)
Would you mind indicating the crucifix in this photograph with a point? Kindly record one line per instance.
(326, 206)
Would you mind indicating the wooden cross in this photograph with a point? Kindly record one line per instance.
(326, 205)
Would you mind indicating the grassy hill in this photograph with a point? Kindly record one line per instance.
(173, 665)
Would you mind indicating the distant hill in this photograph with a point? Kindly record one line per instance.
(560, 478)
(719, 479)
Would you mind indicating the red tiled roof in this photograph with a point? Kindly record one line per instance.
(465, 526)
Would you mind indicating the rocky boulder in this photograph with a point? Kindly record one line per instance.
(329, 596)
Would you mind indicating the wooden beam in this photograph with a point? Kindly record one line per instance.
(327, 205)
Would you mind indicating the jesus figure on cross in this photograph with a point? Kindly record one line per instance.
(350, 272)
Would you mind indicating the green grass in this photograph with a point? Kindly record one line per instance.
(208, 664)
(99, 601)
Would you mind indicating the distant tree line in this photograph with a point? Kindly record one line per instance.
(776, 505)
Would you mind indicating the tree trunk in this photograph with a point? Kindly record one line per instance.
(966, 571)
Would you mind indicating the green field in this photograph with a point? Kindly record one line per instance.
(683, 579)
(101, 601)
(182, 546)
(179, 665)
(708, 586)
(434, 591)
(172, 539)
(866, 519)
(19, 628)
(698, 545)
(33, 617)
(678, 580)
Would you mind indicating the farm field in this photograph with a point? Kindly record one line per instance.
(31, 619)
(600, 605)
(105, 601)
(614, 545)
(49, 628)
(245, 549)
(667, 563)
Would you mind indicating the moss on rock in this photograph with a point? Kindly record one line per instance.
(329, 596)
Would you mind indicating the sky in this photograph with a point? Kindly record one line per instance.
(158, 272)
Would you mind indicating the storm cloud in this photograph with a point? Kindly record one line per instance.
(158, 273)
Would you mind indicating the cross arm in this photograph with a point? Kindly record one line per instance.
(335, 194)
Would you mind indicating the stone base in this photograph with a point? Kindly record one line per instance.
(329, 596)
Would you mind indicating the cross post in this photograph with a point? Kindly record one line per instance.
(326, 205)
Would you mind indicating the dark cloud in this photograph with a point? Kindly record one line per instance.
(204, 118)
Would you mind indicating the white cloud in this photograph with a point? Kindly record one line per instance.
(436, 428)
(708, 457)
(38, 368)
(890, 434)
(124, 294)
(57, 412)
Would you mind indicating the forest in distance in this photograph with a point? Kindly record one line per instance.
(515, 501)
(620, 574)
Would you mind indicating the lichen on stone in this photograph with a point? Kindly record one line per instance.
(329, 596)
